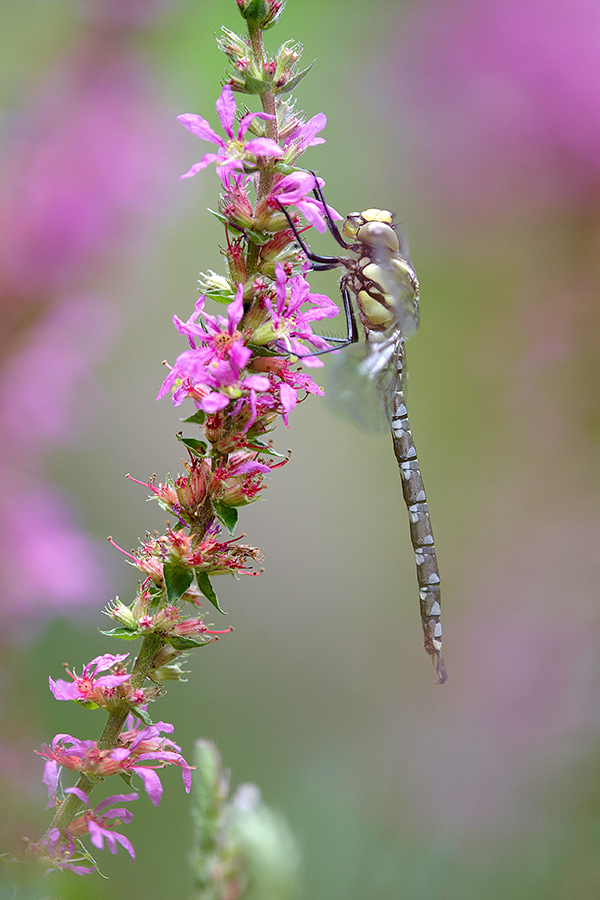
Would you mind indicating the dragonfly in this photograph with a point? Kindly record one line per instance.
(379, 285)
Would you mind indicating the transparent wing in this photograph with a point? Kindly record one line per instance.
(399, 281)
(362, 381)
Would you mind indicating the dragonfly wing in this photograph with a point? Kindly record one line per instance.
(363, 380)
(353, 393)
(399, 282)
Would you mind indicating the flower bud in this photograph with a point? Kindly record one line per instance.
(261, 13)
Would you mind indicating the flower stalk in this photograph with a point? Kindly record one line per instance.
(241, 373)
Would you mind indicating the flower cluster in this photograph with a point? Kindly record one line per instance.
(140, 751)
(242, 373)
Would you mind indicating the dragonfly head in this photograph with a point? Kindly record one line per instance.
(373, 227)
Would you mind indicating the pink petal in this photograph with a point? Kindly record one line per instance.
(289, 397)
(225, 106)
(264, 147)
(200, 127)
(64, 690)
(235, 310)
(214, 402)
(239, 355)
(197, 167)
(152, 783)
(245, 122)
(106, 661)
(257, 382)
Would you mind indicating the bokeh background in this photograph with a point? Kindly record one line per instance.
(478, 122)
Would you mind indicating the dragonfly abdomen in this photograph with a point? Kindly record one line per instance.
(421, 532)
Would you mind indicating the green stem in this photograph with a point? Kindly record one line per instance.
(267, 99)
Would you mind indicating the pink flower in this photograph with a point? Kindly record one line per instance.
(295, 190)
(90, 687)
(304, 135)
(233, 152)
(218, 334)
(138, 748)
(62, 852)
(147, 746)
(93, 822)
(508, 98)
(281, 396)
(85, 160)
(292, 325)
(212, 374)
(65, 567)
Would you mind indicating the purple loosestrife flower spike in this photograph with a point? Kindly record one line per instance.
(241, 370)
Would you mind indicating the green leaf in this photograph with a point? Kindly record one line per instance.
(177, 580)
(254, 85)
(199, 418)
(125, 634)
(126, 776)
(185, 643)
(228, 515)
(207, 589)
(255, 444)
(197, 447)
(293, 82)
(142, 714)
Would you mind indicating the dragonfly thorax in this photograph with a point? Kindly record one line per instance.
(386, 289)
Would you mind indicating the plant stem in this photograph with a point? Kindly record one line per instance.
(267, 99)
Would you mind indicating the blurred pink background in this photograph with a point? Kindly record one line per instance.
(478, 123)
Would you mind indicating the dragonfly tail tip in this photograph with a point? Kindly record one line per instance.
(440, 667)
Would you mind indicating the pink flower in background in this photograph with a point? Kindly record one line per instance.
(48, 564)
(505, 98)
(48, 390)
(80, 167)
(83, 160)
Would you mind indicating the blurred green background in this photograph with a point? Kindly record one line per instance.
(488, 787)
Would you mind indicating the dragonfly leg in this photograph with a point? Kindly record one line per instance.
(352, 327)
(323, 262)
(333, 229)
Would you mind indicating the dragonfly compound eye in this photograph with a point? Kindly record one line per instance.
(351, 225)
